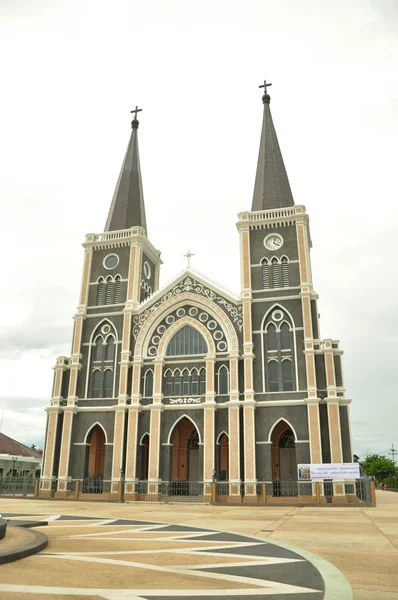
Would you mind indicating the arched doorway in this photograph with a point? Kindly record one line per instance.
(284, 464)
(96, 456)
(144, 458)
(185, 452)
(223, 460)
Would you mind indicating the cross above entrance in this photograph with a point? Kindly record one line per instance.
(188, 255)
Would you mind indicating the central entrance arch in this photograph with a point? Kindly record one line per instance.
(185, 452)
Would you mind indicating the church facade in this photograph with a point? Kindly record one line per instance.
(191, 383)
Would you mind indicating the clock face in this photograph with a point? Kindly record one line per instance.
(147, 270)
(273, 241)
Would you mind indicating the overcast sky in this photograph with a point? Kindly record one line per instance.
(72, 70)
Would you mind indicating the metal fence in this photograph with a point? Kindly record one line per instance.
(17, 486)
(267, 492)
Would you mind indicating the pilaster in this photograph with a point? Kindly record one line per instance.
(69, 411)
(233, 426)
(332, 400)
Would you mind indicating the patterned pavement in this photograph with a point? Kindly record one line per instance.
(110, 559)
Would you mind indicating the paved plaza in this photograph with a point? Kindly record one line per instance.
(157, 551)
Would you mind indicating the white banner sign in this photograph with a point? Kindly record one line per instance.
(329, 471)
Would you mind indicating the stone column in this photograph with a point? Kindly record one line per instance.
(208, 416)
(47, 475)
(154, 431)
(63, 470)
(306, 294)
(248, 356)
(233, 428)
(333, 405)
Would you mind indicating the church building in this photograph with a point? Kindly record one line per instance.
(190, 383)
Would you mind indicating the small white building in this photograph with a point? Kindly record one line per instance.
(17, 459)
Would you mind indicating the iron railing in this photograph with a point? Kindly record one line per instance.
(17, 486)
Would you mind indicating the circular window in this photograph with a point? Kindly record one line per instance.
(193, 311)
(277, 315)
(180, 312)
(217, 335)
(212, 325)
(203, 317)
(147, 269)
(222, 346)
(111, 261)
(105, 329)
(161, 329)
(170, 319)
(152, 351)
(155, 340)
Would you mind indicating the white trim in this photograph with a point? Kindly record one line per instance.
(107, 256)
(142, 437)
(92, 343)
(219, 435)
(90, 428)
(172, 428)
(287, 423)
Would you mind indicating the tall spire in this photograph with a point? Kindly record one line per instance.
(128, 208)
(271, 188)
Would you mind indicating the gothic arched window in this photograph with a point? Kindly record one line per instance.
(287, 379)
(275, 273)
(96, 384)
(98, 349)
(110, 348)
(116, 298)
(286, 337)
(223, 387)
(202, 381)
(271, 337)
(186, 341)
(109, 290)
(108, 383)
(148, 387)
(278, 352)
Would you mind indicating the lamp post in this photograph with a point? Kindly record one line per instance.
(14, 460)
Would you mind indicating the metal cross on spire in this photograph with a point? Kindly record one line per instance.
(135, 111)
(188, 255)
(265, 86)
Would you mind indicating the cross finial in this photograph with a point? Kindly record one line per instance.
(135, 111)
(188, 255)
(265, 85)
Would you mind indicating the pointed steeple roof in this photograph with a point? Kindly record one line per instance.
(271, 188)
(128, 208)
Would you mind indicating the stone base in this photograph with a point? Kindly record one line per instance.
(339, 500)
(131, 497)
(250, 499)
(46, 493)
(153, 498)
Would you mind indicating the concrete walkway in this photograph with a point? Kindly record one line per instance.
(361, 542)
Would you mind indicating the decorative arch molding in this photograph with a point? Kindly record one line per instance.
(142, 437)
(93, 427)
(173, 428)
(95, 335)
(288, 424)
(169, 333)
(275, 306)
(144, 334)
(220, 436)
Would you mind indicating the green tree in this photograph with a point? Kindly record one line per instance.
(378, 466)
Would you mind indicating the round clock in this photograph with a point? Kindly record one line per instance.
(147, 270)
(273, 241)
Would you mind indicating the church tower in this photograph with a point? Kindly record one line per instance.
(293, 378)
(168, 390)
(120, 270)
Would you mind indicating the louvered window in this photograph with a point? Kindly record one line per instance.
(117, 290)
(285, 272)
(265, 274)
(109, 292)
(96, 384)
(100, 292)
(275, 273)
(187, 340)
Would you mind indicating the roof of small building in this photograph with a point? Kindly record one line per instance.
(10, 446)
